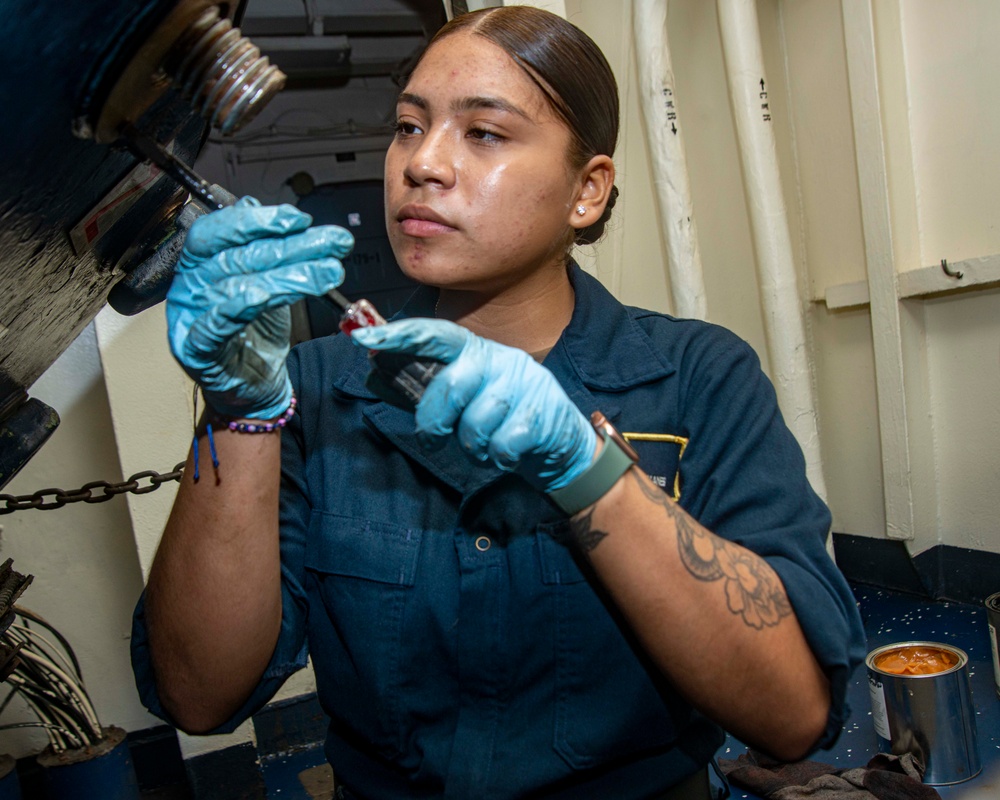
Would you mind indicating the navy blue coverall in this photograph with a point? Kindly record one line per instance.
(460, 649)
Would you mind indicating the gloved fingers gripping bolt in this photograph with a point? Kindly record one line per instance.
(501, 403)
(227, 308)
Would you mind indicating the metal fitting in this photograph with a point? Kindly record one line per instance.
(196, 50)
(221, 72)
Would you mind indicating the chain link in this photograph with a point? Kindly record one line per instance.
(93, 492)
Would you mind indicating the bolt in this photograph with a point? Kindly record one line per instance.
(221, 72)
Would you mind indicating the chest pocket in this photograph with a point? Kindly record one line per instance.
(607, 704)
(360, 548)
(362, 572)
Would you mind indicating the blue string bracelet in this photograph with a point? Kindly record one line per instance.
(194, 442)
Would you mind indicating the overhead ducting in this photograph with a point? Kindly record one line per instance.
(324, 42)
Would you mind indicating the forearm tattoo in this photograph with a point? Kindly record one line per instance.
(584, 534)
(753, 591)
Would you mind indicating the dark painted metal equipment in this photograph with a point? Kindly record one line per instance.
(193, 48)
(79, 211)
(25, 428)
(85, 218)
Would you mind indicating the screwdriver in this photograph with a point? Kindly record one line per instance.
(397, 378)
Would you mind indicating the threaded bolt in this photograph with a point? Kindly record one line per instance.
(221, 72)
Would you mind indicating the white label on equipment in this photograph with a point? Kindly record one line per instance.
(113, 206)
(996, 655)
(879, 714)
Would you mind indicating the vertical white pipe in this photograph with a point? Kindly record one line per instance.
(889, 326)
(784, 316)
(669, 163)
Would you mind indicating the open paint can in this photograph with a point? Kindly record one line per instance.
(993, 618)
(922, 704)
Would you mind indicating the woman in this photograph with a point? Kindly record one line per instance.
(497, 601)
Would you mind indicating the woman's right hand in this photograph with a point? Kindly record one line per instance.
(228, 320)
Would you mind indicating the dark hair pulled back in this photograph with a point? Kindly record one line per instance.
(569, 69)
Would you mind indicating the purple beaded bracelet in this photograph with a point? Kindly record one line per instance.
(260, 427)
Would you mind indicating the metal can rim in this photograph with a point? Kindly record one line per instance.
(993, 602)
(963, 658)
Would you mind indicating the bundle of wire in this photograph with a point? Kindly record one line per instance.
(47, 676)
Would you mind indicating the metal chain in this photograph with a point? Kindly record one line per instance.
(93, 492)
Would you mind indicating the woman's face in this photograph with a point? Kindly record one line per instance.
(478, 191)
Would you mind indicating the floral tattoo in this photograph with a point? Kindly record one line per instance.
(752, 590)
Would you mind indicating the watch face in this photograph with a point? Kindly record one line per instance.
(601, 425)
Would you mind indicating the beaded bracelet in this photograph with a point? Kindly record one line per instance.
(259, 427)
(237, 427)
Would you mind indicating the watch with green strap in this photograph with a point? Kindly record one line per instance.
(612, 462)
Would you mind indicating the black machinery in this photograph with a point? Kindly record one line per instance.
(80, 214)
(85, 90)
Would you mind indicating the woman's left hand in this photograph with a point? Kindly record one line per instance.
(501, 403)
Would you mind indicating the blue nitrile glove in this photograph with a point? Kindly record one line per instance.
(227, 308)
(503, 405)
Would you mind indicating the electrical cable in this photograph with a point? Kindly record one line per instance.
(7, 699)
(57, 733)
(75, 693)
(58, 709)
(31, 615)
(49, 680)
(71, 727)
(31, 644)
(45, 646)
(47, 726)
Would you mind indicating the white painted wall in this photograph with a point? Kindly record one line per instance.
(964, 363)
(126, 407)
(935, 68)
(83, 557)
(824, 176)
(951, 64)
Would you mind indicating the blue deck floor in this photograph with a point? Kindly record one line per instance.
(889, 617)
